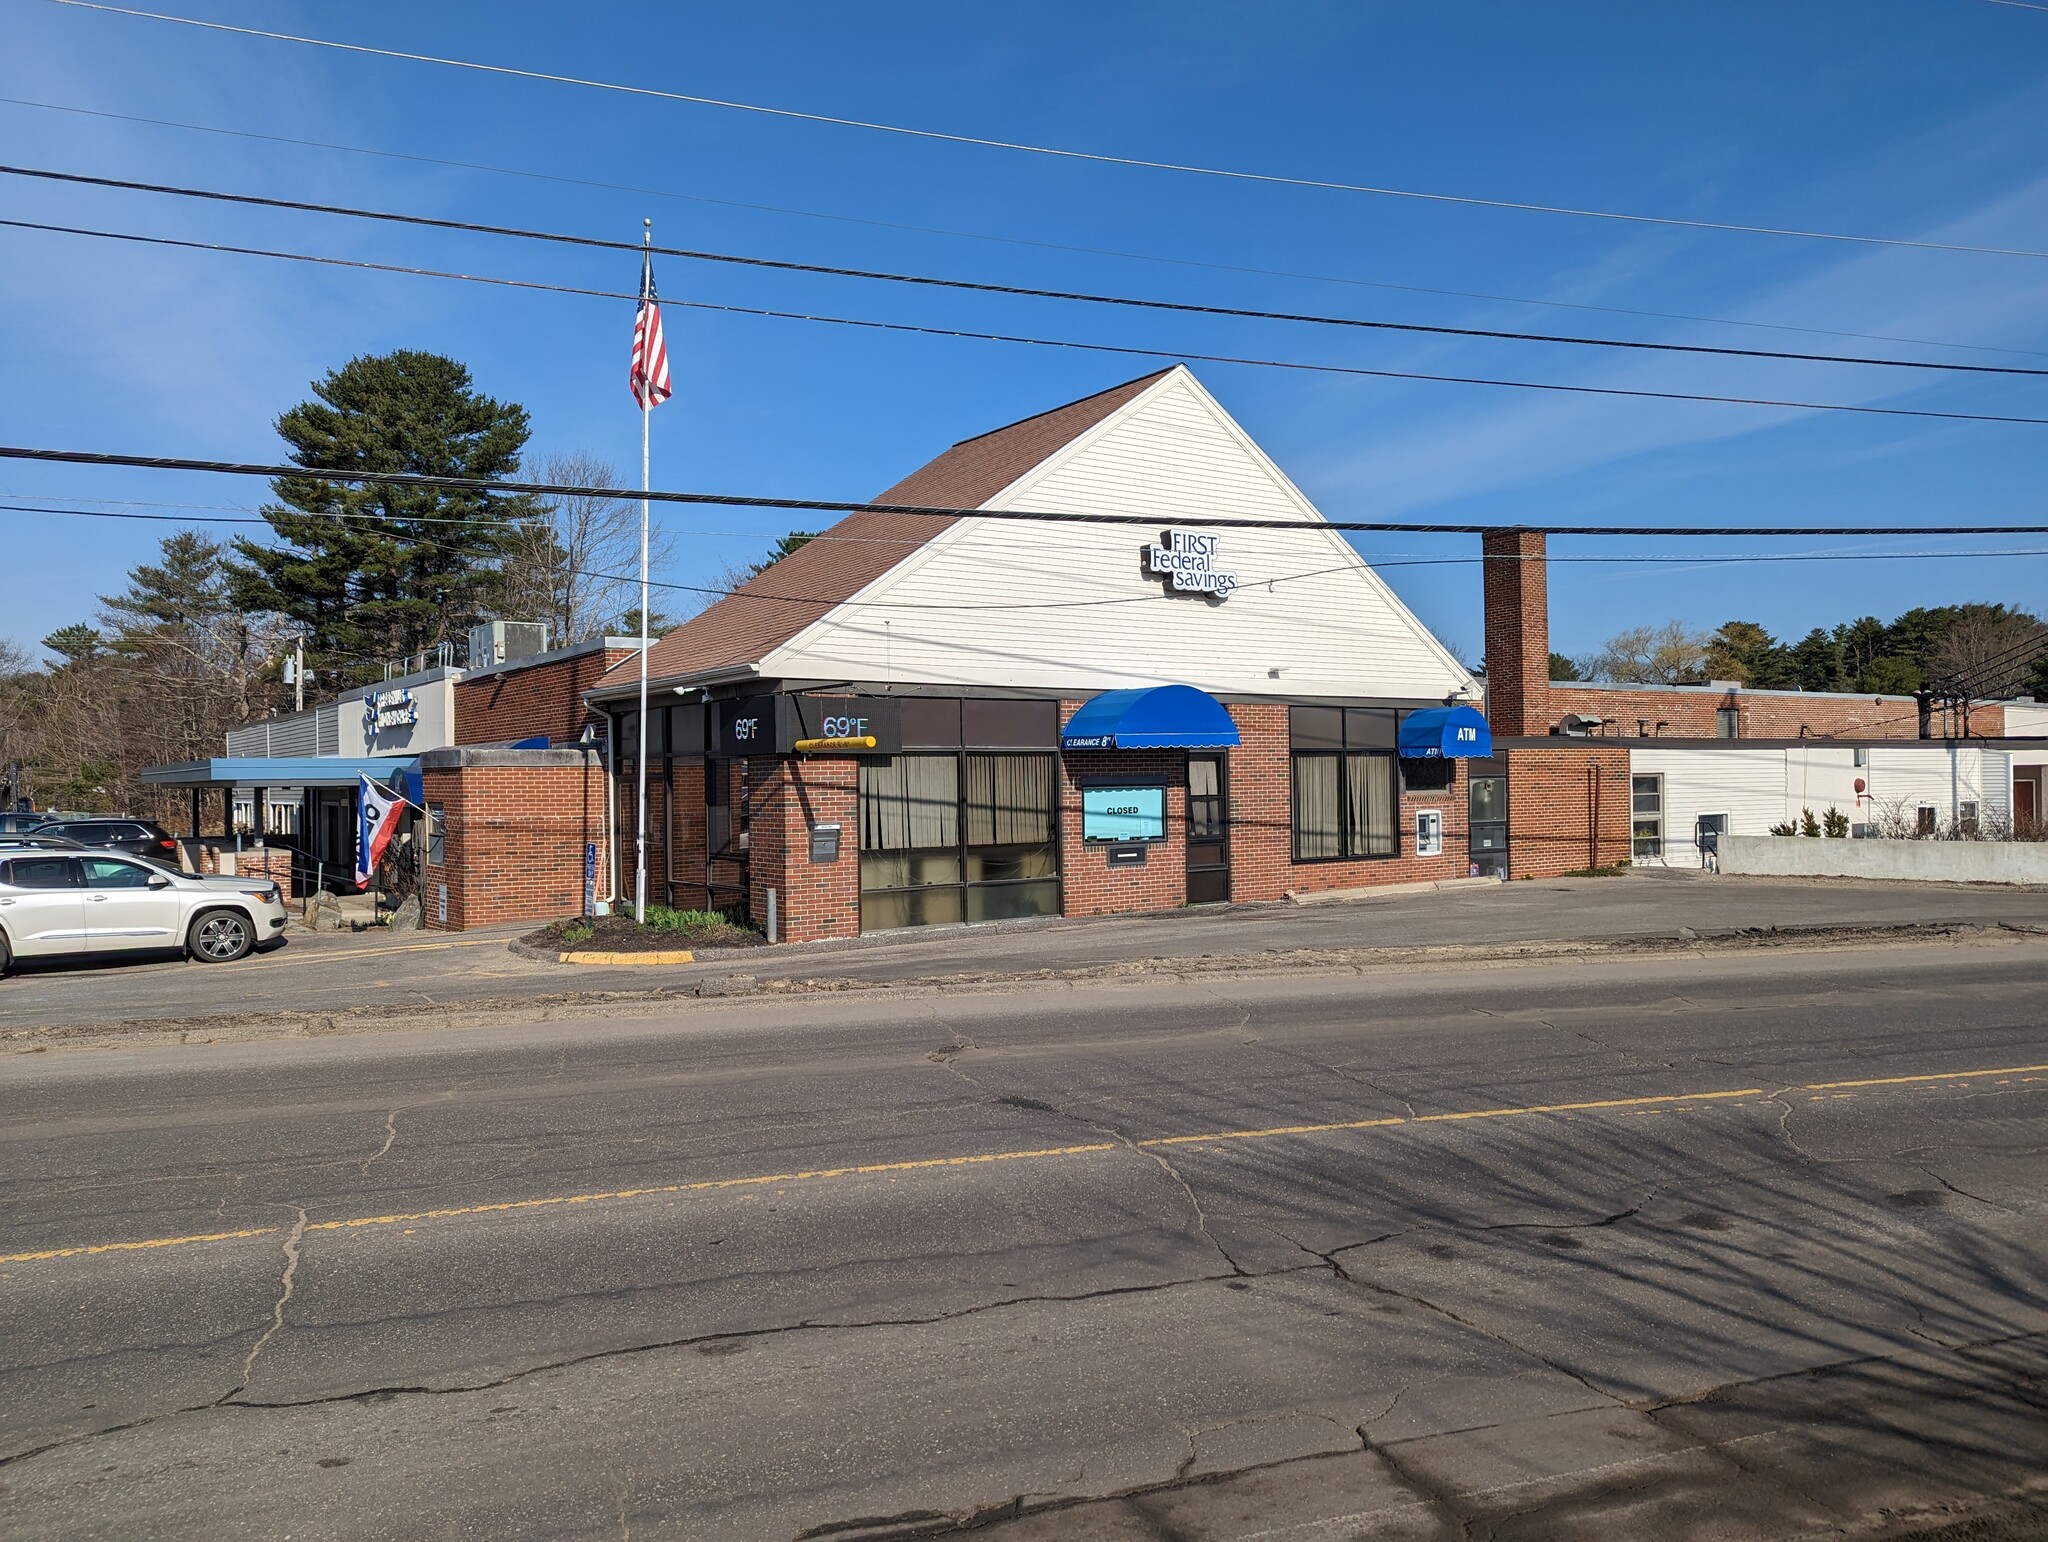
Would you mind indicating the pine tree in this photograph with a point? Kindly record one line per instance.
(377, 572)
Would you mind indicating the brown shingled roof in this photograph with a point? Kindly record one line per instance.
(773, 606)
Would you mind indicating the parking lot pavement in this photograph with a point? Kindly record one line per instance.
(322, 972)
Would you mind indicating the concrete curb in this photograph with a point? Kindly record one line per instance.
(672, 956)
(1374, 891)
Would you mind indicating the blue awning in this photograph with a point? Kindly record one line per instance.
(1160, 717)
(283, 771)
(1445, 733)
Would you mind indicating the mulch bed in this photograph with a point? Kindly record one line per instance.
(621, 934)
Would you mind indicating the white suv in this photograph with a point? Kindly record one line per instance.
(54, 902)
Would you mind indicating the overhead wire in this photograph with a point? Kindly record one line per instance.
(822, 603)
(1172, 355)
(48, 455)
(1020, 147)
(1021, 241)
(976, 286)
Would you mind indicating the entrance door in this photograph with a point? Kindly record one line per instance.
(1487, 813)
(2026, 808)
(1208, 832)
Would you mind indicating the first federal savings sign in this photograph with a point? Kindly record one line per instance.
(1188, 559)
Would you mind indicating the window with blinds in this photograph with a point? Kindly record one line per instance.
(962, 837)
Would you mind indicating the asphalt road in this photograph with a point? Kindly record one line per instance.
(377, 972)
(1735, 1246)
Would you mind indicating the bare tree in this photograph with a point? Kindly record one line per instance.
(1653, 655)
(577, 567)
(1988, 652)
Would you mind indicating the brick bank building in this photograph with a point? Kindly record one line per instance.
(922, 719)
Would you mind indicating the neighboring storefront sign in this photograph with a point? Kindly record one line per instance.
(384, 710)
(1118, 814)
(1188, 560)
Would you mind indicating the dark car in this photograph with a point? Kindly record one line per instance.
(21, 824)
(44, 842)
(137, 837)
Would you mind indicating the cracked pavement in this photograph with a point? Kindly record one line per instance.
(1732, 1246)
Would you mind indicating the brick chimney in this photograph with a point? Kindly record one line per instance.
(1517, 632)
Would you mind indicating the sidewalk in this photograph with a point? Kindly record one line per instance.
(328, 981)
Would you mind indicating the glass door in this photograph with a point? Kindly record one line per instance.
(1487, 811)
(1208, 832)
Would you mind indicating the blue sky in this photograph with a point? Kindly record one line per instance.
(1909, 118)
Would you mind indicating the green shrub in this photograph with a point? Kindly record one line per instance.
(1836, 823)
(1787, 828)
(1808, 825)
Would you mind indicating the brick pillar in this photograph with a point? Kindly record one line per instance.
(813, 899)
(1517, 632)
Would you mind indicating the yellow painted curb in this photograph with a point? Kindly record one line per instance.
(675, 956)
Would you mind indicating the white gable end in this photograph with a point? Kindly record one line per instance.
(1071, 607)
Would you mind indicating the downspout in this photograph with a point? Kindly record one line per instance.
(611, 807)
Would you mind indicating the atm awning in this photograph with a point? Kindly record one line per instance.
(1445, 733)
(1159, 717)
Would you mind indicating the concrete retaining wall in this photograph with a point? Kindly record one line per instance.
(1795, 856)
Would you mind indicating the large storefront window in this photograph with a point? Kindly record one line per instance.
(1346, 792)
(957, 838)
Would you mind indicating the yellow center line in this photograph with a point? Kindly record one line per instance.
(1939, 1076)
(1657, 1103)
(134, 1247)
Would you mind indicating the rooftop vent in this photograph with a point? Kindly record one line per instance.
(501, 642)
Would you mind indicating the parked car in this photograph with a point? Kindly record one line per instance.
(21, 824)
(39, 843)
(137, 837)
(54, 902)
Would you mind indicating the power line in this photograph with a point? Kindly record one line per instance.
(815, 602)
(1376, 559)
(941, 511)
(1119, 349)
(782, 265)
(1040, 245)
(1092, 157)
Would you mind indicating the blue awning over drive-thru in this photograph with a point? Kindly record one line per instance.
(1160, 717)
(1445, 733)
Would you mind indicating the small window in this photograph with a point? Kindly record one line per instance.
(436, 827)
(1966, 818)
(1859, 757)
(1646, 811)
(1925, 822)
(1728, 722)
(1428, 775)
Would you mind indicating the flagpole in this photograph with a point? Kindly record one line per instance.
(646, 412)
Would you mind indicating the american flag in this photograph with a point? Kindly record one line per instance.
(649, 377)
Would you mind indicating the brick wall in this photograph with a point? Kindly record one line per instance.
(1692, 713)
(1262, 865)
(1522, 700)
(538, 699)
(514, 824)
(1089, 886)
(814, 899)
(1567, 809)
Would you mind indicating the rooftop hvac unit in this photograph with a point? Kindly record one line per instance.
(500, 642)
